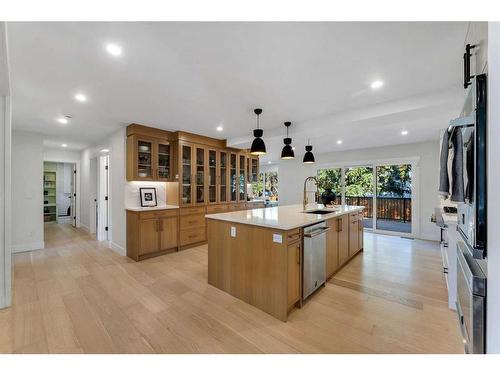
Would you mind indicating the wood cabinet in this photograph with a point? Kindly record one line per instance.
(360, 231)
(242, 177)
(252, 168)
(294, 272)
(151, 233)
(353, 234)
(343, 239)
(223, 188)
(150, 154)
(332, 246)
(233, 177)
(192, 226)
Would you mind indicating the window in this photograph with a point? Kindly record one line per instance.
(331, 179)
(266, 186)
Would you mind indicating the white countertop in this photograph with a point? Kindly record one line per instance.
(283, 217)
(162, 207)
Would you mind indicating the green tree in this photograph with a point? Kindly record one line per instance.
(359, 182)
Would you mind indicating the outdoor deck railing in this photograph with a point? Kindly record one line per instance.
(388, 208)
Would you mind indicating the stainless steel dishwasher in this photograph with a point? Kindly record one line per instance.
(314, 258)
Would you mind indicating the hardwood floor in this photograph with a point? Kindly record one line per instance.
(77, 296)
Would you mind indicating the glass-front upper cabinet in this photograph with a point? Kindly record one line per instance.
(163, 166)
(233, 174)
(212, 176)
(144, 161)
(242, 181)
(223, 176)
(200, 175)
(254, 169)
(186, 173)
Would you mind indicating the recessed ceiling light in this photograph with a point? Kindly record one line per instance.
(104, 150)
(64, 145)
(269, 162)
(404, 132)
(80, 98)
(339, 142)
(114, 49)
(63, 120)
(376, 85)
(220, 128)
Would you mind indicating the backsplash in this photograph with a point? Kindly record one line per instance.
(132, 198)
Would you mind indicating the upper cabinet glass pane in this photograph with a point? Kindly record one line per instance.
(163, 161)
(144, 159)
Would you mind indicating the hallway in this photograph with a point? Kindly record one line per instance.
(78, 296)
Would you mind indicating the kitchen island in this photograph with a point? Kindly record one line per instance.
(257, 255)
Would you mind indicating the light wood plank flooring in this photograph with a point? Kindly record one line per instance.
(77, 296)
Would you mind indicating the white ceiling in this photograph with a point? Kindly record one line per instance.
(196, 76)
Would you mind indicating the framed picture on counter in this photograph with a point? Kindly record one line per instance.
(148, 197)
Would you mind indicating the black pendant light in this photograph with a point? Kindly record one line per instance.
(258, 146)
(287, 152)
(308, 156)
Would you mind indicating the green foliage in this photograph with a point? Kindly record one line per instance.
(392, 181)
(330, 179)
(359, 182)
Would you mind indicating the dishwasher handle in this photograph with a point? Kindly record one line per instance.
(316, 232)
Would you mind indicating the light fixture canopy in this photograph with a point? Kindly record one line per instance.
(287, 152)
(375, 85)
(258, 146)
(308, 156)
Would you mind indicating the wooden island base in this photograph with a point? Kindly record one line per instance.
(263, 266)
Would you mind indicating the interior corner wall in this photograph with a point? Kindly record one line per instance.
(116, 144)
(292, 174)
(27, 192)
(493, 222)
(5, 205)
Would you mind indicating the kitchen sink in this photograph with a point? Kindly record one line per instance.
(320, 212)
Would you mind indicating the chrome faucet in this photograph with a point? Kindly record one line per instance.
(316, 196)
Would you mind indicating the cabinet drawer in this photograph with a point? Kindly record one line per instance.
(293, 235)
(237, 207)
(353, 217)
(192, 221)
(217, 208)
(189, 236)
(158, 214)
(192, 210)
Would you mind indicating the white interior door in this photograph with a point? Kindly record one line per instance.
(73, 197)
(93, 196)
(103, 199)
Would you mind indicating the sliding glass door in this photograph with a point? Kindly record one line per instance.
(359, 191)
(394, 198)
(384, 189)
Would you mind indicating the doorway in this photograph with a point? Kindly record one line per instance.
(59, 193)
(386, 189)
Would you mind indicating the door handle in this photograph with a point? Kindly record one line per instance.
(298, 254)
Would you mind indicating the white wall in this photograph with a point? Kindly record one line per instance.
(61, 155)
(292, 174)
(493, 139)
(5, 167)
(5, 202)
(27, 193)
(117, 219)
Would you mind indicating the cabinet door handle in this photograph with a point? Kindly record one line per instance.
(161, 225)
(298, 254)
(157, 225)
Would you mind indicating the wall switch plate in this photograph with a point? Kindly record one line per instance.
(278, 238)
(233, 231)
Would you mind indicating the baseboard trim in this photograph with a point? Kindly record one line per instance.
(27, 247)
(117, 248)
(85, 228)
